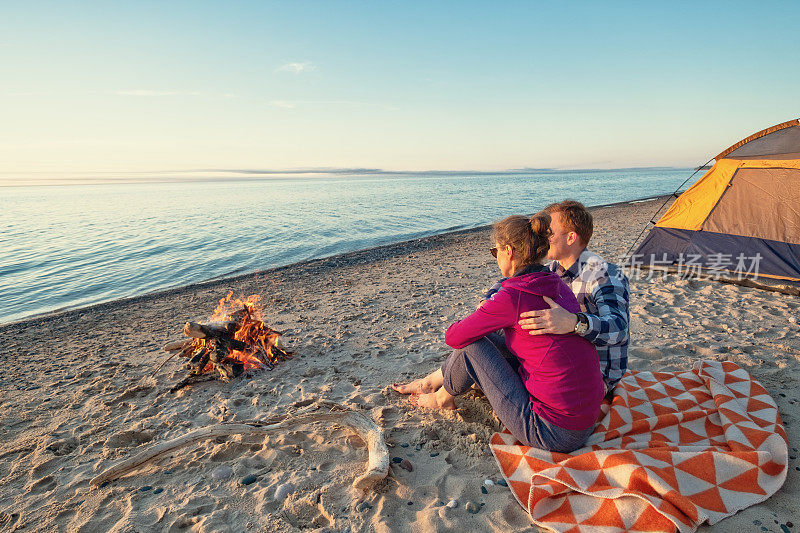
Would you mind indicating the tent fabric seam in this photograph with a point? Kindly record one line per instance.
(758, 135)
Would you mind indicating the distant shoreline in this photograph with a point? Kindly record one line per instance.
(246, 175)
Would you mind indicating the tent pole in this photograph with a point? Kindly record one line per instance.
(674, 194)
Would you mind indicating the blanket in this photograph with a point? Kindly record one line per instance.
(670, 451)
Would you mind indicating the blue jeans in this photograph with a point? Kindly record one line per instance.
(488, 364)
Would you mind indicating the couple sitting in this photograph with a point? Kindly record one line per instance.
(565, 324)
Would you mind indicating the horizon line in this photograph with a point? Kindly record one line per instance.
(244, 174)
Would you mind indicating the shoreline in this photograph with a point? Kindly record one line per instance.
(392, 249)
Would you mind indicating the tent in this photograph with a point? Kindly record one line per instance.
(741, 219)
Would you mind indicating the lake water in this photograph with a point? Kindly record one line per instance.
(74, 245)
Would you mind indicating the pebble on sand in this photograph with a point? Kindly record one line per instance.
(488, 482)
(283, 491)
(472, 508)
(452, 504)
(222, 472)
(405, 464)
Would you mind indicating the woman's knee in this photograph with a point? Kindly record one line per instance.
(469, 352)
(482, 348)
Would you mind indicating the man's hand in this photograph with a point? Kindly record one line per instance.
(555, 320)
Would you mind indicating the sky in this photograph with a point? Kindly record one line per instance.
(119, 88)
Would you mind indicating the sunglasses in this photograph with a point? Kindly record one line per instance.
(493, 252)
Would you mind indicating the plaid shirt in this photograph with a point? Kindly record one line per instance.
(602, 291)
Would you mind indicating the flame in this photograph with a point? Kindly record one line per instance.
(262, 350)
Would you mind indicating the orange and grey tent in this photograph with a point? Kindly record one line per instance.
(742, 217)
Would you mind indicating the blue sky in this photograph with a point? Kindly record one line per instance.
(125, 87)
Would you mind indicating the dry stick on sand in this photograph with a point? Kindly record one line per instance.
(182, 348)
(164, 362)
(364, 427)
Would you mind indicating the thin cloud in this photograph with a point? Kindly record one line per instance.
(297, 68)
(291, 104)
(143, 92)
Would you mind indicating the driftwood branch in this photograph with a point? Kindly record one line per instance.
(364, 427)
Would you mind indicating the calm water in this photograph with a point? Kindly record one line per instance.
(69, 246)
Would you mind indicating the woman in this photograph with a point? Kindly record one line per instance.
(546, 389)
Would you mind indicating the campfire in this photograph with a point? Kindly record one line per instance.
(234, 340)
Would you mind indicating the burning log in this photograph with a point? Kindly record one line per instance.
(177, 346)
(236, 340)
(363, 426)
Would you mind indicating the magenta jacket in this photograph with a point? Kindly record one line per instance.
(561, 372)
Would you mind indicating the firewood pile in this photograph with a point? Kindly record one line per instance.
(235, 340)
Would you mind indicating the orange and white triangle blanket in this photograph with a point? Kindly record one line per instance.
(670, 451)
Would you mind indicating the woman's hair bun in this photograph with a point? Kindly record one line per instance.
(540, 224)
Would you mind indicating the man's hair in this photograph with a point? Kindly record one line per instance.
(575, 217)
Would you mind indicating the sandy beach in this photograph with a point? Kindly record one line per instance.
(78, 394)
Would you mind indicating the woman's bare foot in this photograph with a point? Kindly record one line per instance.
(430, 383)
(440, 399)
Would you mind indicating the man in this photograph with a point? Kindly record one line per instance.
(601, 289)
